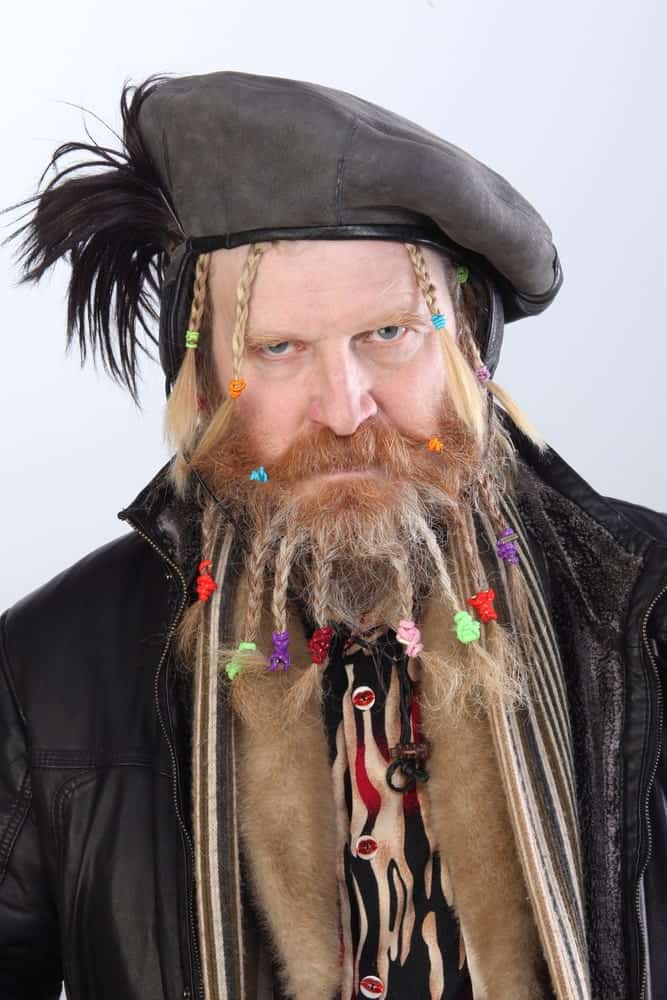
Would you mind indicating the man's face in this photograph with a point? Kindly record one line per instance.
(344, 381)
(338, 332)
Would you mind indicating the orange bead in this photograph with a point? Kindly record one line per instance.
(236, 387)
(435, 444)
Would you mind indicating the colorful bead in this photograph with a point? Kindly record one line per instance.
(435, 444)
(236, 387)
(462, 273)
(205, 582)
(409, 635)
(439, 321)
(191, 338)
(506, 548)
(483, 605)
(483, 373)
(280, 659)
(467, 629)
(259, 474)
(318, 644)
(235, 665)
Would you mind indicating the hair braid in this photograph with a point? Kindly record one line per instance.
(404, 587)
(284, 557)
(257, 561)
(182, 412)
(431, 542)
(321, 579)
(219, 422)
(423, 278)
(199, 291)
(242, 306)
(464, 389)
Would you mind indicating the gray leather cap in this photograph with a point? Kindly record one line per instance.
(247, 158)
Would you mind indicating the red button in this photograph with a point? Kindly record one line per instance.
(363, 698)
(367, 847)
(371, 986)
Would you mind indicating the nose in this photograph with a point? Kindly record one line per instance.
(341, 393)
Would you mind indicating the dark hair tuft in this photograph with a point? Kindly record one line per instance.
(109, 214)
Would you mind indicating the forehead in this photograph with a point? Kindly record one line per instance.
(301, 282)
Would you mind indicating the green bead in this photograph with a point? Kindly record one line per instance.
(235, 665)
(191, 338)
(467, 629)
(462, 273)
(232, 669)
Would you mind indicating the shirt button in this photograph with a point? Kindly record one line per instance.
(366, 847)
(363, 698)
(371, 986)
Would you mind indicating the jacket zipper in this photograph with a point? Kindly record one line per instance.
(196, 960)
(640, 923)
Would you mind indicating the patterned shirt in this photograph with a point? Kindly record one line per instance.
(400, 939)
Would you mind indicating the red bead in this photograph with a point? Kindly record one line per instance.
(371, 986)
(366, 847)
(205, 582)
(483, 604)
(363, 698)
(318, 644)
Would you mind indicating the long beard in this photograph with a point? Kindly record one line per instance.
(354, 547)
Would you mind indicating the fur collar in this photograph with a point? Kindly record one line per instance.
(288, 831)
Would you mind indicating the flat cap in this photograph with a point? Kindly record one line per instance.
(240, 152)
(246, 158)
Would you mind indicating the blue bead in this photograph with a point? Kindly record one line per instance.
(259, 474)
(438, 320)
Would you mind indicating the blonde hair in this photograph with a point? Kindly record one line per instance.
(193, 437)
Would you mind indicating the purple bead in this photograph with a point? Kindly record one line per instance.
(280, 658)
(507, 549)
(483, 373)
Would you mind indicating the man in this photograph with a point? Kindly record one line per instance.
(368, 703)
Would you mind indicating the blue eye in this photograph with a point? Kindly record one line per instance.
(271, 348)
(390, 328)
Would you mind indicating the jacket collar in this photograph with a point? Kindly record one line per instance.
(169, 522)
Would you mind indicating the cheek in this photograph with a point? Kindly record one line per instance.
(412, 397)
(272, 415)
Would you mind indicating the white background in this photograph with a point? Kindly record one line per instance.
(566, 100)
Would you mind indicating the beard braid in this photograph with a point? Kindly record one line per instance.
(361, 552)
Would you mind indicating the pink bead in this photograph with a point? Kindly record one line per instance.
(409, 635)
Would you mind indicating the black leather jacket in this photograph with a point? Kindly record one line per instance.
(96, 854)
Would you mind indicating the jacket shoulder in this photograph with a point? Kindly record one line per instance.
(90, 581)
(651, 522)
(86, 628)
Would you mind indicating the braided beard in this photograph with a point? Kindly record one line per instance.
(355, 544)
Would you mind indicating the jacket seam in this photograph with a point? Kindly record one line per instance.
(23, 797)
(14, 823)
(5, 661)
(53, 758)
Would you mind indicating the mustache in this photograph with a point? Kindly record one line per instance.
(375, 445)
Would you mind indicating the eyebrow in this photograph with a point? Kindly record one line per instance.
(255, 338)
